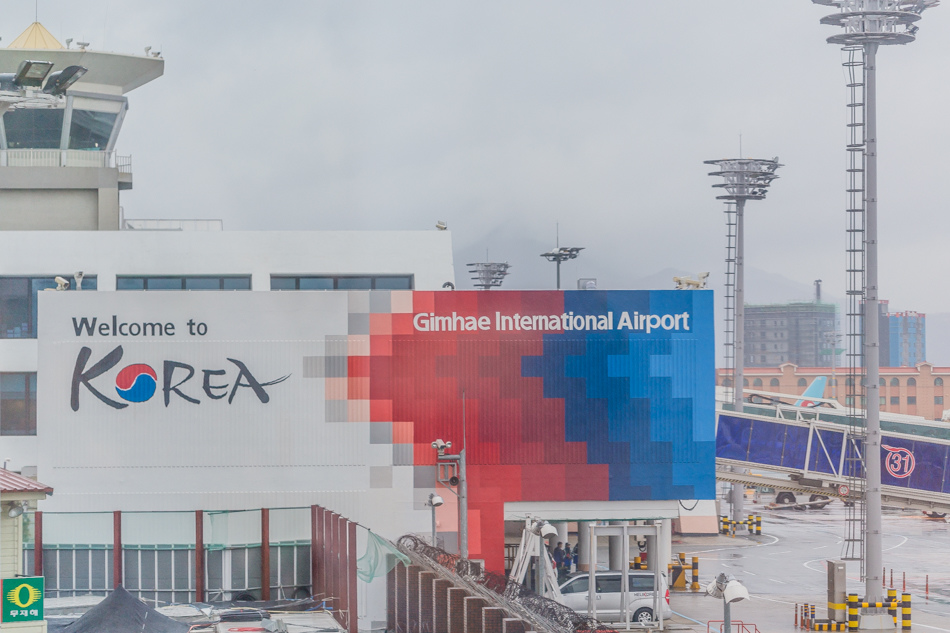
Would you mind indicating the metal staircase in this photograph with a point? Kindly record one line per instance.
(854, 466)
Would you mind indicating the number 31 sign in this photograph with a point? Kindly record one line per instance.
(899, 461)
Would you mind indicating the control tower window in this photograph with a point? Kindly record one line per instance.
(91, 130)
(33, 128)
(341, 282)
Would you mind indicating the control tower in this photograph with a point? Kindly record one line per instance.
(62, 110)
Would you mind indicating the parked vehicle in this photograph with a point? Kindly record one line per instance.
(640, 600)
(766, 495)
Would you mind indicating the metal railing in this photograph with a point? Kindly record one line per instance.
(64, 158)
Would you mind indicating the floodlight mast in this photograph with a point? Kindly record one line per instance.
(561, 254)
(869, 24)
(743, 179)
(488, 275)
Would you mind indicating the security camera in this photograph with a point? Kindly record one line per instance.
(439, 445)
(79, 277)
(548, 530)
(435, 500)
(61, 283)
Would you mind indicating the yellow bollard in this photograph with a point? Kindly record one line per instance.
(905, 612)
(695, 584)
(852, 612)
(892, 607)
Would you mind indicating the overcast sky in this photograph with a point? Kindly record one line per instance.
(504, 118)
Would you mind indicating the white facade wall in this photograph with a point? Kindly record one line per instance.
(427, 255)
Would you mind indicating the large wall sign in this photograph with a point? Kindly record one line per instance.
(179, 400)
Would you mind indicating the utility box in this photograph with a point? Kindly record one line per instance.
(837, 591)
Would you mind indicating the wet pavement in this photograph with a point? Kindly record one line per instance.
(785, 566)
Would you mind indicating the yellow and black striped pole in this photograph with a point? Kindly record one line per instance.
(852, 612)
(694, 585)
(637, 562)
(758, 525)
(892, 607)
(905, 612)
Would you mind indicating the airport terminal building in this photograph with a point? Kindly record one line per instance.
(187, 368)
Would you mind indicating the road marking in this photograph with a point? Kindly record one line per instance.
(722, 549)
(772, 599)
(898, 545)
(772, 579)
(691, 619)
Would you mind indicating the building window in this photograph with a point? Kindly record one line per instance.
(29, 128)
(773, 382)
(802, 382)
(883, 401)
(911, 399)
(727, 382)
(341, 282)
(745, 382)
(938, 399)
(911, 382)
(895, 382)
(18, 302)
(187, 282)
(18, 403)
(757, 382)
(895, 400)
(849, 401)
(938, 382)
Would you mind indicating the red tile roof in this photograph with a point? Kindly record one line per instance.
(12, 482)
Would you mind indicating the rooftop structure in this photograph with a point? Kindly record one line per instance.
(40, 134)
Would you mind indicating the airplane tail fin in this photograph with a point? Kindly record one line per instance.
(815, 390)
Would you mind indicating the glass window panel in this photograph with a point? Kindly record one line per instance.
(236, 283)
(129, 283)
(316, 283)
(131, 568)
(33, 129)
(609, 584)
(199, 283)
(283, 283)
(163, 283)
(354, 283)
(17, 403)
(641, 583)
(394, 283)
(149, 563)
(15, 310)
(182, 576)
(65, 569)
(82, 568)
(215, 567)
(911, 399)
(286, 565)
(91, 130)
(579, 585)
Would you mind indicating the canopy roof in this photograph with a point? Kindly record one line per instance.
(12, 482)
(36, 37)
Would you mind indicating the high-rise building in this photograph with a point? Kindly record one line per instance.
(787, 333)
(906, 341)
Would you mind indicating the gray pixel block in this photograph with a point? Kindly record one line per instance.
(335, 367)
(423, 476)
(380, 476)
(379, 302)
(402, 454)
(358, 323)
(337, 345)
(380, 433)
(337, 411)
(313, 367)
(358, 301)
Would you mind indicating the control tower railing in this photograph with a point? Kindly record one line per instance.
(64, 158)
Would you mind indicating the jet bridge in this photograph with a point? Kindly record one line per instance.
(806, 447)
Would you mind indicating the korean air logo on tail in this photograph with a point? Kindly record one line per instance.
(136, 383)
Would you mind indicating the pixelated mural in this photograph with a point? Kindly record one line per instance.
(584, 395)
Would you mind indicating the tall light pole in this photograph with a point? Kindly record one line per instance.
(742, 179)
(869, 24)
(434, 502)
(561, 254)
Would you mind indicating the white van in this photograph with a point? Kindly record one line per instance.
(639, 597)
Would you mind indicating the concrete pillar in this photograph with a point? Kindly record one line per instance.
(561, 527)
(583, 545)
(456, 615)
(615, 549)
(473, 614)
(492, 618)
(660, 548)
(426, 579)
(440, 605)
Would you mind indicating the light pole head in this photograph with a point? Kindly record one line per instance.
(875, 21)
(562, 253)
(489, 275)
(744, 178)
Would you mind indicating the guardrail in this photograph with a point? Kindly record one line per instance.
(64, 158)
